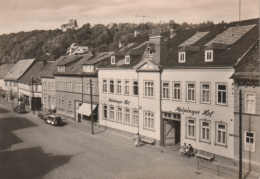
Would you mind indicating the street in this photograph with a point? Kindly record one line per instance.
(30, 148)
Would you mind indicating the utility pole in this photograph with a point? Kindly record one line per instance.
(240, 134)
(143, 16)
(32, 97)
(92, 122)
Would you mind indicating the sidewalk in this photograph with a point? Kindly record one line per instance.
(165, 154)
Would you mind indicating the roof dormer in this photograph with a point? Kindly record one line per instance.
(113, 60)
(209, 55)
(88, 68)
(61, 68)
(127, 59)
(182, 56)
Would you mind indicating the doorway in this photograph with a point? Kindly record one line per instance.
(172, 132)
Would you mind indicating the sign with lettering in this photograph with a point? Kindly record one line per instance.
(192, 112)
(127, 102)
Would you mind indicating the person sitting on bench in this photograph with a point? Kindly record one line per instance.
(189, 152)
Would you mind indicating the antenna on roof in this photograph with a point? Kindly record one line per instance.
(143, 16)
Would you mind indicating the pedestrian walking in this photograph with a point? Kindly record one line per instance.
(137, 140)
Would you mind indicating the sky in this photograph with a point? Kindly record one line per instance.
(28, 15)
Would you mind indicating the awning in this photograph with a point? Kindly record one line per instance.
(85, 109)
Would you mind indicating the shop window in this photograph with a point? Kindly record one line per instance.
(176, 91)
(149, 120)
(127, 87)
(205, 93)
(104, 86)
(165, 90)
(135, 117)
(149, 89)
(135, 88)
(221, 94)
(119, 114)
(191, 92)
(191, 126)
(119, 87)
(127, 115)
(249, 141)
(221, 134)
(250, 103)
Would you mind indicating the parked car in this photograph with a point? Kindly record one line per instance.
(53, 120)
(19, 109)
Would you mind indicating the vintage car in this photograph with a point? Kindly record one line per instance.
(19, 109)
(53, 120)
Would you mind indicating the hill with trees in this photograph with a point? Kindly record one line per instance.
(51, 44)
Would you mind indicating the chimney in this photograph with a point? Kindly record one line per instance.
(173, 29)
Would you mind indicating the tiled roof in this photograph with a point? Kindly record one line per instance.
(248, 66)
(97, 58)
(68, 59)
(51, 66)
(223, 57)
(4, 69)
(19, 69)
(194, 38)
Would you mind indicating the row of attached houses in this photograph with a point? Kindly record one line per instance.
(178, 87)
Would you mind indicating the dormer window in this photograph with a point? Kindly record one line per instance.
(150, 51)
(182, 57)
(209, 56)
(88, 68)
(61, 69)
(113, 60)
(127, 59)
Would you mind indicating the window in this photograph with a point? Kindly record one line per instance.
(112, 112)
(191, 93)
(80, 87)
(149, 120)
(127, 88)
(43, 85)
(119, 114)
(70, 86)
(76, 87)
(88, 88)
(165, 91)
(209, 55)
(205, 131)
(127, 59)
(36, 87)
(67, 86)
(6, 83)
(88, 68)
(249, 141)
(44, 100)
(61, 69)
(222, 94)
(191, 128)
(49, 86)
(105, 111)
(221, 134)
(181, 57)
(119, 87)
(69, 106)
(127, 115)
(59, 103)
(111, 84)
(135, 88)
(104, 86)
(113, 60)
(135, 117)
(250, 103)
(176, 91)
(148, 89)
(205, 93)
(52, 102)
(62, 104)
(59, 85)
(150, 51)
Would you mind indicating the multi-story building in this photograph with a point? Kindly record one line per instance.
(30, 86)
(11, 84)
(4, 69)
(185, 92)
(73, 86)
(246, 79)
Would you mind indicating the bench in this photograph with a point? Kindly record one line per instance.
(205, 155)
(148, 140)
(183, 154)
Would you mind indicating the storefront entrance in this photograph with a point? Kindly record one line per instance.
(172, 132)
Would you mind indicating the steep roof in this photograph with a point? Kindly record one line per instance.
(35, 72)
(65, 60)
(4, 69)
(97, 58)
(19, 69)
(248, 67)
(245, 34)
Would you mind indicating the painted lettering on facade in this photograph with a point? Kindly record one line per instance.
(188, 110)
(127, 102)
